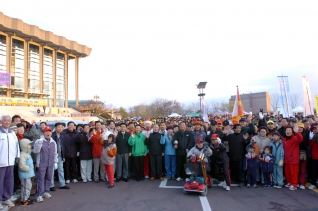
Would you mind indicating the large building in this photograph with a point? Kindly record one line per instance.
(254, 101)
(34, 65)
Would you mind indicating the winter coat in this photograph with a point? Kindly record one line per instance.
(185, 141)
(291, 148)
(138, 145)
(313, 144)
(196, 151)
(97, 145)
(9, 147)
(122, 143)
(262, 142)
(250, 129)
(304, 144)
(250, 161)
(85, 148)
(237, 146)
(69, 144)
(60, 149)
(267, 167)
(169, 147)
(277, 151)
(219, 154)
(26, 168)
(46, 152)
(153, 143)
(108, 157)
(210, 133)
(199, 134)
(32, 134)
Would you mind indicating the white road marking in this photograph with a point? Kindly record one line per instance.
(205, 203)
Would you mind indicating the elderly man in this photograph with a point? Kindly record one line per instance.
(9, 150)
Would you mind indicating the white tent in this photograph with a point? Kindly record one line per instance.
(174, 115)
(298, 109)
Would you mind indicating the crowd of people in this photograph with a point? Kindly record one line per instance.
(271, 151)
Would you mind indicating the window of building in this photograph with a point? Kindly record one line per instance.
(3, 49)
(34, 69)
(18, 63)
(48, 75)
(60, 80)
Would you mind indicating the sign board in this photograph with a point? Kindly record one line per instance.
(5, 79)
(23, 102)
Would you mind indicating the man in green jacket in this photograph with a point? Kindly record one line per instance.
(139, 150)
(247, 126)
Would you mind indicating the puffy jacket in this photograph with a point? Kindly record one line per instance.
(277, 151)
(291, 148)
(267, 167)
(185, 141)
(153, 142)
(219, 154)
(108, 157)
(169, 149)
(9, 147)
(313, 144)
(69, 144)
(46, 153)
(85, 148)
(197, 151)
(122, 143)
(262, 142)
(97, 145)
(237, 146)
(250, 161)
(26, 168)
(138, 144)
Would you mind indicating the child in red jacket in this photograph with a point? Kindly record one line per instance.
(291, 144)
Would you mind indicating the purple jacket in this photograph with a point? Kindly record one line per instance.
(46, 152)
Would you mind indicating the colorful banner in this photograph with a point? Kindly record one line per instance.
(308, 109)
(316, 103)
(204, 111)
(24, 102)
(5, 78)
(284, 95)
(238, 110)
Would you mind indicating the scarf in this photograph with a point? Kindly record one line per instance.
(20, 136)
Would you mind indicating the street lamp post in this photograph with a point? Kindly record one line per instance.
(201, 95)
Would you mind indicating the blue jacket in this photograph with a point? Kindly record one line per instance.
(267, 167)
(277, 151)
(250, 161)
(169, 149)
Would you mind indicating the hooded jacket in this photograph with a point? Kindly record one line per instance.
(26, 168)
(185, 141)
(9, 147)
(46, 152)
(277, 151)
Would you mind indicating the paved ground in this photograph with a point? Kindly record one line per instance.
(168, 195)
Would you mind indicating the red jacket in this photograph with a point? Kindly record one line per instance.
(291, 148)
(97, 147)
(314, 147)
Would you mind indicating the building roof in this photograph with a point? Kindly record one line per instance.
(26, 31)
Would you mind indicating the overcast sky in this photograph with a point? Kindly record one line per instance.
(147, 49)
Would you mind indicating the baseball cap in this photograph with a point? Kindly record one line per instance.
(219, 121)
(214, 136)
(226, 123)
(197, 123)
(270, 122)
(242, 120)
(300, 125)
(198, 140)
(213, 122)
(47, 128)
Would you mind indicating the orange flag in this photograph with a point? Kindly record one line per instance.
(238, 110)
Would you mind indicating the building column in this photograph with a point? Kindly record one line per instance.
(54, 78)
(9, 56)
(41, 63)
(76, 80)
(66, 80)
(26, 67)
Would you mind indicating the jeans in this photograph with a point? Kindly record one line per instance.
(171, 165)
(60, 171)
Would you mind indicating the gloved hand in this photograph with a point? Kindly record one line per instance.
(219, 140)
(311, 135)
(40, 141)
(55, 166)
(281, 163)
(261, 116)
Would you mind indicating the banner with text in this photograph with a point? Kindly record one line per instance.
(308, 108)
(284, 95)
(23, 102)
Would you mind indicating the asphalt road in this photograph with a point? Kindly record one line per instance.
(148, 196)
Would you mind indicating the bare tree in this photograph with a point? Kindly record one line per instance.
(215, 106)
(274, 101)
(295, 100)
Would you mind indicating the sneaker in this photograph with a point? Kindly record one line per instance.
(248, 185)
(311, 187)
(14, 198)
(292, 187)
(1, 207)
(187, 179)
(146, 177)
(302, 187)
(279, 186)
(67, 181)
(46, 195)
(222, 184)
(39, 199)
(9, 203)
(265, 186)
(179, 179)
(65, 187)
(254, 186)
(110, 186)
(52, 189)
(227, 188)
(89, 180)
(84, 180)
(75, 181)
(274, 186)
(287, 185)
